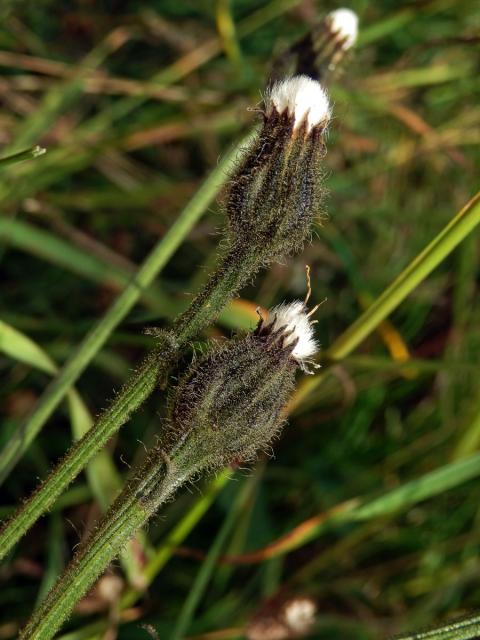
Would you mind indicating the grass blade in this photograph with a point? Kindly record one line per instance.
(391, 502)
(27, 154)
(196, 592)
(45, 245)
(439, 248)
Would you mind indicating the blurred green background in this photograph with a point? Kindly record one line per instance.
(136, 102)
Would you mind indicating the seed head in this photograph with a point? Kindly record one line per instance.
(299, 614)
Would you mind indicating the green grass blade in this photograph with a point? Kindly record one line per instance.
(19, 347)
(21, 156)
(45, 245)
(103, 477)
(434, 253)
(469, 440)
(427, 486)
(441, 246)
(390, 503)
(198, 588)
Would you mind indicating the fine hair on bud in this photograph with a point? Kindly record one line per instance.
(230, 403)
(276, 192)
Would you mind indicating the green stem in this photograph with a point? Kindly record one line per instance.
(467, 629)
(143, 382)
(237, 267)
(157, 480)
(27, 154)
(97, 337)
(224, 283)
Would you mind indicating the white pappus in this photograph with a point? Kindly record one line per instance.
(303, 98)
(343, 23)
(293, 320)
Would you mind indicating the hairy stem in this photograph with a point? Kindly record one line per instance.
(224, 283)
(134, 393)
(236, 268)
(97, 336)
(151, 485)
(466, 629)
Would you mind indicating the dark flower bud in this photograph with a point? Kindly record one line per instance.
(230, 403)
(276, 192)
(322, 50)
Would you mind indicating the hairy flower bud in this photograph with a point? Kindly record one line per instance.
(276, 192)
(322, 49)
(343, 28)
(230, 403)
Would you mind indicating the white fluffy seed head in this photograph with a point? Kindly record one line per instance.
(299, 614)
(344, 24)
(303, 98)
(292, 318)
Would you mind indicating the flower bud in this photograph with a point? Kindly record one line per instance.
(342, 25)
(230, 403)
(322, 49)
(276, 192)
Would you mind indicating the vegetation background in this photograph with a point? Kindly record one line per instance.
(136, 102)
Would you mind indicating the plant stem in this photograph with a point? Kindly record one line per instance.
(128, 400)
(234, 270)
(98, 335)
(27, 154)
(153, 484)
(224, 283)
(467, 629)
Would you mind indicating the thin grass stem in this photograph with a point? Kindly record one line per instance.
(27, 154)
(415, 273)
